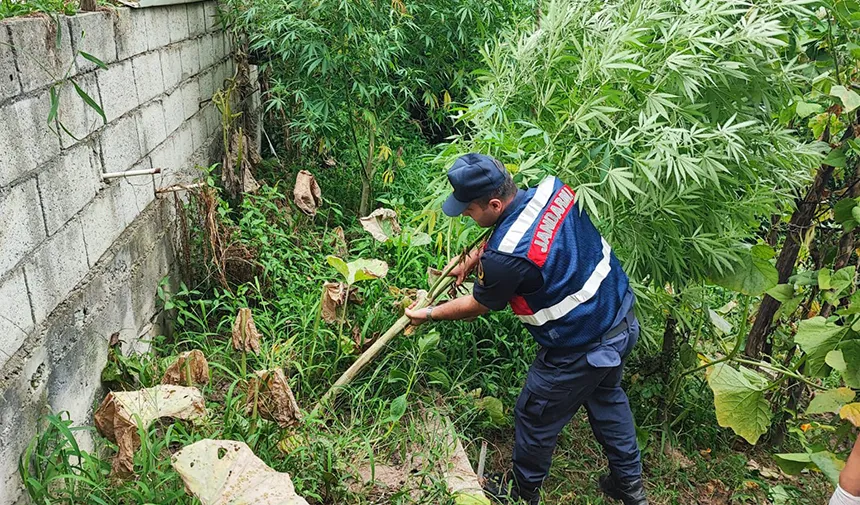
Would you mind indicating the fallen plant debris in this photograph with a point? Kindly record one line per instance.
(189, 368)
(246, 338)
(269, 394)
(225, 472)
(121, 413)
(381, 224)
(461, 480)
(307, 193)
(334, 296)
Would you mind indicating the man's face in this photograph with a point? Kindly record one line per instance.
(487, 216)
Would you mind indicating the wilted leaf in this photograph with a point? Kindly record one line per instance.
(359, 270)
(753, 275)
(381, 224)
(307, 194)
(719, 322)
(225, 472)
(851, 412)
(816, 337)
(246, 338)
(334, 295)
(850, 98)
(120, 412)
(274, 400)
(739, 400)
(189, 368)
(830, 401)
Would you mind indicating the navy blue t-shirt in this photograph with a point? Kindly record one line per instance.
(500, 277)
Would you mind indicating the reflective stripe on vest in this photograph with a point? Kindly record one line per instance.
(527, 216)
(571, 302)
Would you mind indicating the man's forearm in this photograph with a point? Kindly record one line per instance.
(464, 307)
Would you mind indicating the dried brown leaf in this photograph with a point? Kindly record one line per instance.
(274, 399)
(334, 295)
(117, 417)
(189, 368)
(381, 224)
(225, 472)
(307, 194)
(246, 338)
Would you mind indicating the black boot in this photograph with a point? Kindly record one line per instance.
(502, 488)
(630, 491)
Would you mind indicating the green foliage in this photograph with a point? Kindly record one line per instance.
(739, 397)
(12, 8)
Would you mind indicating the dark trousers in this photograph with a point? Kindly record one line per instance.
(558, 383)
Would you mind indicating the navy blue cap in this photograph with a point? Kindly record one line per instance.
(472, 176)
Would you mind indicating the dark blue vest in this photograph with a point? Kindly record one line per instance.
(584, 284)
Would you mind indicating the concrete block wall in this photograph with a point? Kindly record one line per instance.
(81, 256)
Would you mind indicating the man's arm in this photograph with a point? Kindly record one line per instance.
(465, 307)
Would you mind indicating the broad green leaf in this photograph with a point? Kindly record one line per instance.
(843, 210)
(829, 464)
(782, 292)
(816, 337)
(428, 341)
(851, 412)
(363, 269)
(687, 355)
(835, 359)
(836, 158)
(830, 401)
(339, 265)
(805, 109)
(824, 278)
(851, 357)
(397, 408)
(855, 214)
(753, 275)
(793, 463)
(494, 409)
(843, 278)
(739, 400)
(850, 98)
(853, 305)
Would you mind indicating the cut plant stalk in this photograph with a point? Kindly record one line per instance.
(442, 284)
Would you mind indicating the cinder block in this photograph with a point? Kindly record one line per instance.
(131, 34)
(10, 85)
(171, 66)
(131, 188)
(211, 15)
(147, 75)
(157, 27)
(196, 19)
(55, 268)
(184, 146)
(17, 320)
(120, 145)
(117, 89)
(164, 156)
(213, 120)
(23, 228)
(177, 18)
(197, 124)
(26, 139)
(75, 115)
(174, 111)
(68, 183)
(150, 126)
(208, 55)
(103, 220)
(190, 54)
(41, 60)
(190, 98)
(206, 84)
(92, 33)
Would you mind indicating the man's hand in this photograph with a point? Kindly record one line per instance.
(416, 316)
(462, 266)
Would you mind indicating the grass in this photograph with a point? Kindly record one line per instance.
(486, 357)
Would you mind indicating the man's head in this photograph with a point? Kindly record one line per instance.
(482, 189)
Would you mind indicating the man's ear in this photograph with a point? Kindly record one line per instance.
(496, 204)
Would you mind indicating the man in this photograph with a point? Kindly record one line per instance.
(549, 263)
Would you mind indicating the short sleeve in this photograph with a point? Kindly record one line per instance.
(499, 278)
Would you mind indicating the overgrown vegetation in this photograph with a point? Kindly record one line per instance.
(715, 143)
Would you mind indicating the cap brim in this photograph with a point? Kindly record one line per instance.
(453, 207)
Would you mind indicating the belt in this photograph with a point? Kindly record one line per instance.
(609, 335)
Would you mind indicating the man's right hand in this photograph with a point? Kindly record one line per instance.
(462, 266)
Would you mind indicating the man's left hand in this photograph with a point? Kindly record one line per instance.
(416, 316)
